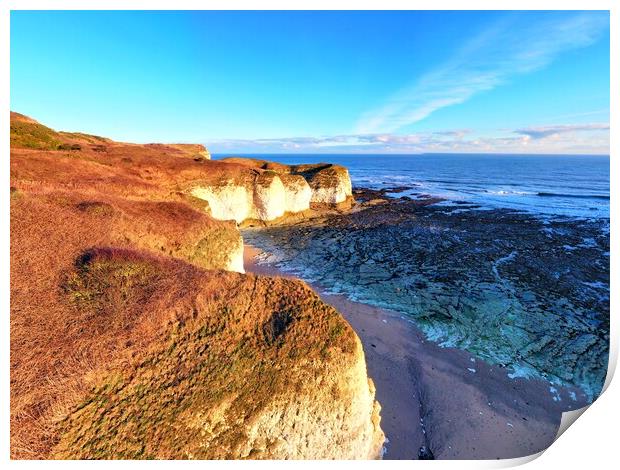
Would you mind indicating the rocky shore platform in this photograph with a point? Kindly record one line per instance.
(480, 327)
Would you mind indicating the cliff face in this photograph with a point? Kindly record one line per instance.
(347, 394)
(297, 193)
(273, 190)
(330, 184)
(128, 337)
(197, 151)
(257, 368)
(226, 201)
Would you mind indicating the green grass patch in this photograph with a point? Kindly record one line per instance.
(33, 135)
(90, 138)
(104, 282)
(212, 251)
(97, 208)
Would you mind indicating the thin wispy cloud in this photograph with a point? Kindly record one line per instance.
(560, 138)
(542, 132)
(597, 112)
(513, 46)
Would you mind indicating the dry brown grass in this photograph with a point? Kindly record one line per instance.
(117, 329)
(211, 344)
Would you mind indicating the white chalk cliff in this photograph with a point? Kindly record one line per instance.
(330, 184)
(226, 202)
(235, 257)
(317, 426)
(270, 194)
(297, 193)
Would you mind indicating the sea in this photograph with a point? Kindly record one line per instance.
(547, 185)
(512, 265)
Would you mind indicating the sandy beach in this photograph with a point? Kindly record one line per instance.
(441, 398)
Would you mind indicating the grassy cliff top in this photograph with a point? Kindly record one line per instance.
(122, 333)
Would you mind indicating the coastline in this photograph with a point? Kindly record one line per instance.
(258, 367)
(444, 399)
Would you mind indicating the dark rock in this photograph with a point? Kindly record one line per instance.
(498, 283)
(425, 454)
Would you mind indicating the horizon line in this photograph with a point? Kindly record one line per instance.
(241, 154)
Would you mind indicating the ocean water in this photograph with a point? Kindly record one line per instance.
(526, 288)
(567, 185)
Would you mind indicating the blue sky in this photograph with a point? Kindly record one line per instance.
(261, 82)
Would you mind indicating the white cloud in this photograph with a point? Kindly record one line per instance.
(511, 47)
(560, 138)
(542, 132)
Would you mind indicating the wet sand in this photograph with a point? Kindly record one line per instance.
(445, 399)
